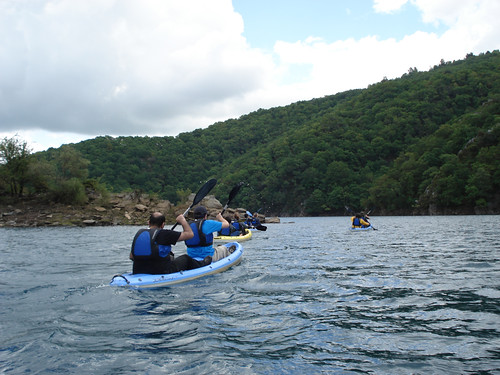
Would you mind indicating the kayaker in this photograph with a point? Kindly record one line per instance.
(365, 217)
(255, 220)
(201, 245)
(152, 248)
(239, 226)
(229, 231)
(248, 220)
(357, 221)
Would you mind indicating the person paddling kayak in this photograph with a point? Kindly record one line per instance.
(152, 248)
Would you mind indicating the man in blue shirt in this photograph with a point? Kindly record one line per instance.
(201, 245)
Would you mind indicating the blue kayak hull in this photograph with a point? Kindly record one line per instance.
(361, 229)
(155, 281)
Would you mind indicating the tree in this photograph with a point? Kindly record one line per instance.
(71, 164)
(15, 158)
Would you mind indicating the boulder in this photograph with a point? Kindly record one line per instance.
(272, 220)
(140, 207)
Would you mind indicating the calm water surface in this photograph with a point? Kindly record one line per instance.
(419, 295)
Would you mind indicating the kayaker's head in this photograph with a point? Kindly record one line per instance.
(157, 219)
(200, 212)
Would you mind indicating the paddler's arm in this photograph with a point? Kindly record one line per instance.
(224, 222)
(187, 232)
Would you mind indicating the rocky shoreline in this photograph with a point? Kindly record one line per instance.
(119, 209)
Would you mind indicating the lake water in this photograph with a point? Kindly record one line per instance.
(418, 295)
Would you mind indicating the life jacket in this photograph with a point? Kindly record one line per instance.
(144, 246)
(356, 222)
(225, 231)
(199, 239)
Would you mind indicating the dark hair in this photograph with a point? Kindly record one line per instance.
(156, 219)
(200, 212)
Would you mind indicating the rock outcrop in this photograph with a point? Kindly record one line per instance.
(119, 209)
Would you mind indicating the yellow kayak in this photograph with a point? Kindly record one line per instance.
(245, 237)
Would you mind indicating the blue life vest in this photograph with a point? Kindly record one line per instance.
(199, 239)
(144, 245)
(225, 231)
(356, 222)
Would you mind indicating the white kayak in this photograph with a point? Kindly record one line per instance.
(153, 281)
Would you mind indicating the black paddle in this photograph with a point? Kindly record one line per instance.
(232, 194)
(368, 213)
(204, 190)
(261, 227)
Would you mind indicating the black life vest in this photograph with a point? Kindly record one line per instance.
(199, 239)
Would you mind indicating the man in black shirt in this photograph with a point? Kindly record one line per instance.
(152, 248)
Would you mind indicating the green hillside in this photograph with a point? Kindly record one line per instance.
(425, 142)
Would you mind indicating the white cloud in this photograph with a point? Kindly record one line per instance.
(351, 63)
(76, 68)
(122, 65)
(388, 6)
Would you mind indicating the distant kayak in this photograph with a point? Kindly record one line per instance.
(245, 237)
(361, 229)
(154, 281)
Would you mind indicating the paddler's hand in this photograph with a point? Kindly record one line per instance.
(181, 219)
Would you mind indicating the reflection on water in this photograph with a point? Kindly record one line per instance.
(418, 295)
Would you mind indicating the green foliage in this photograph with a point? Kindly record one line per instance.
(96, 190)
(15, 158)
(427, 139)
(71, 164)
(57, 175)
(182, 195)
(69, 191)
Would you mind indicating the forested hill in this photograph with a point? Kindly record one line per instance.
(425, 142)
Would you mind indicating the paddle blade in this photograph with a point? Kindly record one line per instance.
(204, 190)
(233, 192)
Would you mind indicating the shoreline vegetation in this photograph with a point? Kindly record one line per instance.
(427, 143)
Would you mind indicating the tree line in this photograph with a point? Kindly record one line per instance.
(425, 142)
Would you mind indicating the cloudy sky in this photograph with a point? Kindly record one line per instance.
(75, 69)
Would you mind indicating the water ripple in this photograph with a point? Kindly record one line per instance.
(419, 295)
